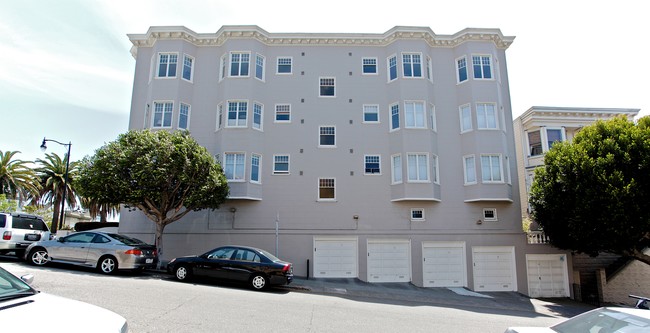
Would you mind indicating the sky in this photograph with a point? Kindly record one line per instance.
(66, 72)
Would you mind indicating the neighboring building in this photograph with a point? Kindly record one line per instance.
(384, 157)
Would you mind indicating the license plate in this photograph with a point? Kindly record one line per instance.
(149, 261)
(32, 237)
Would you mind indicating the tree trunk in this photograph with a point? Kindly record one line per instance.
(55, 217)
(160, 227)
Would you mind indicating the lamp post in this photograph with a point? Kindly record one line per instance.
(56, 227)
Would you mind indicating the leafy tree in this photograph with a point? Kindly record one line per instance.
(17, 179)
(51, 174)
(164, 175)
(592, 194)
(7, 205)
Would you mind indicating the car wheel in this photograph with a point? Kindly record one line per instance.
(107, 265)
(39, 257)
(182, 273)
(259, 282)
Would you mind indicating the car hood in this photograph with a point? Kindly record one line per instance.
(529, 330)
(58, 314)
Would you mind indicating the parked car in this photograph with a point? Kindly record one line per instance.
(18, 230)
(601, 320)
(19, 303)
(107, 252)
(256, 267)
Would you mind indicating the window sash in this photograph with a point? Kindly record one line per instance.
(461, 65)
(237, 114)
(183, 117)
(239, 63)
(412, 65)
(369, 65)
(552, 136)
(482, 67)
(326, 188)
(418, 167)
(372, 164)
(470, 169)
(257, 116)
(284, 65)
(414, 114)
(234, 166)
(486, 117)
(259, 67)
(371, 113)
(392, 68)
(535, 143)
(283, 113)
(327, 136)
(491, 168)
(162, 116)
(397, 168)
(281, 164)
(327, 86)
(255, 168)
(188, 63)
(465, 118)
(167, 64)
(394, 116)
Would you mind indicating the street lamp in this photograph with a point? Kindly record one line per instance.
(65, 180)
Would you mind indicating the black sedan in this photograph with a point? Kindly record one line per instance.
(256, 267)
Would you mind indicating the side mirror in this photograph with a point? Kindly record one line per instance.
(60, 240)
(28, 278)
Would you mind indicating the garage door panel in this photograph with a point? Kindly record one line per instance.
(494, 268)
(389, 261)
(335, 258)
(547, 276)
(444, 264)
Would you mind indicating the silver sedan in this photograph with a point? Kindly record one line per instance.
(107, 252)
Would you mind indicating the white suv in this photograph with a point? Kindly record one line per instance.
(18, 230)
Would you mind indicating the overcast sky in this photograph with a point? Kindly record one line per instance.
(66, 72)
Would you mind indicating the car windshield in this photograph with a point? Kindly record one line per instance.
(604, 320)
(127, 240)
(11, 286)
(269, 255)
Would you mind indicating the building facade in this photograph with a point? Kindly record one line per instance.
(385, 157)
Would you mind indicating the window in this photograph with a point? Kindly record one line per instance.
(162, 114)
(234, 166)
(188, 67)
(414, 115)
(327, 86)
(237, 114)
(283, 113)
(417, 214)
(372, 165)
(392, 68)
(239, 62)
(257, 116)
(412, 64)
(434, 164)
(184, 116)
(394, 117)
(327, 136)
(482, 67)
(369, 66)
(396, 167)
(432, 115)
(486, 116)
(281, 164)
(326, 189)
(284, 65)
(491, 168)
(222, 68)
(490, 214)
(255, 168)
(469, 166)
(535, 143)
(219, 117)
(417, 167)
(429, 75)
(552, 136)
(465, 118)
(461, 69)
(259, 67)
(167, 64)
(371, 113)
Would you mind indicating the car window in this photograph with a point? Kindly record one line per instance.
(269, 255)
(3, 220)
(247, 255)
(603, 320)
(222, 253)
(101, 239)
(28, 223)
(127, 240)
(83, 237)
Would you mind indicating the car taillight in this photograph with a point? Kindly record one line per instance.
(6, 235)
(136, 252)
(286, 268)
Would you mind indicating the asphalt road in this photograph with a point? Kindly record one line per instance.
(156, 303)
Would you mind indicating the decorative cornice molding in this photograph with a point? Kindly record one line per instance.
(573, 114)
(335, 39)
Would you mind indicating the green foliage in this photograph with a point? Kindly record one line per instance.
(592, 193)
(17, 179)
(51, 175)
(7, 205)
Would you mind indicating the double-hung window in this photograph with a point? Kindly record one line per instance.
(283, 113)
(434, 165)
(369, 66)
(222, 67)
(432, 116)
(429, 69)
(167, 64)
(234, 166)
(258, 113)
(482, 66)
(371, 113)
(486, 116)
(259, 67)
(326, 189)
(372, 165)
(491, 170)
(552, 136)
(239, 63)
(412, 64)
(469, 168)
(188, 67)
(327, 136)
(465, 112)
(281, 164)
(285, 65)
(414, 115)
(256, 161)
(461, 69)
(392, 68)
(417, 167)
(162, 114)
(184, 116)
(394, 117)
(327, 85)
(237, 113)
(535, 143)
(219, 116)
(396, 169)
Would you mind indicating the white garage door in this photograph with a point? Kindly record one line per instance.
(335, 258)
(547, 275)
(389, 261)
(443, 264)
(494, 268)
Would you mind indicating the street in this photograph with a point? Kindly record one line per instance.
(156, 303)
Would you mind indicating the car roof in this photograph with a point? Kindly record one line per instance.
(633, 311)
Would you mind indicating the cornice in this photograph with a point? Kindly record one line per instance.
(573, 114)
(333, 39)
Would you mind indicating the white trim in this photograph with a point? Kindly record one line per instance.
(363, 114)
(263, 79)
(320, 127)
(259, 169)
(189, 112)
(191, 80)
(500, 156)
(376, 66)
(229, 68)
(281, 173)
(421, 219)
(364, 165)
(458, 81)
(321, 86)
(319, 199)
(388, 79)
(460, 115)
(466, 182)
(277, 65)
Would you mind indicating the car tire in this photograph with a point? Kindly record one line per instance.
(259, 282)
(182, 273)
(38, 257)
(107, 265)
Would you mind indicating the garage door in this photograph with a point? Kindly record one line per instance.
(547, 275)
(494, 268)
(444, 264)
(335, 257)
(389, 261)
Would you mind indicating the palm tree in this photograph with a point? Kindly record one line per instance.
(17, 179)
(51, 174)
(99, 209)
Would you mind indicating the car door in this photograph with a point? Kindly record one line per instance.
(213, 264)
(244, 263)
(73, 248)
(99, 246)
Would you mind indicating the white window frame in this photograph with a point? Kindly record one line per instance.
(548, 142)
(258, 166)
(469, 174)
(489, 176)
(365, 164)
(419, 117)
(219, 123)
(363, 65)
(483, 117)
(191, 59)
(367, 109)
(187, 116)
(258, 126)
(490, 219)
(237, 121)
(392, 60)
(167, 76)
(320, 180)
(465, 114)
(432, 117)
(421, 173)
(258, 58)
(481, 65)
(164, 113)
(435, 166)
(412, 64)
(278, 64)
(417, 219)
(236, 166)
(239, 64)
(429, 69)
(320, 134)
(323, 83)
(276, 163)
(393, 110)
(278, 110)
(396, 168)
(458, 61)
(223, 67)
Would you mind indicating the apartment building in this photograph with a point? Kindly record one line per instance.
(385, 157)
